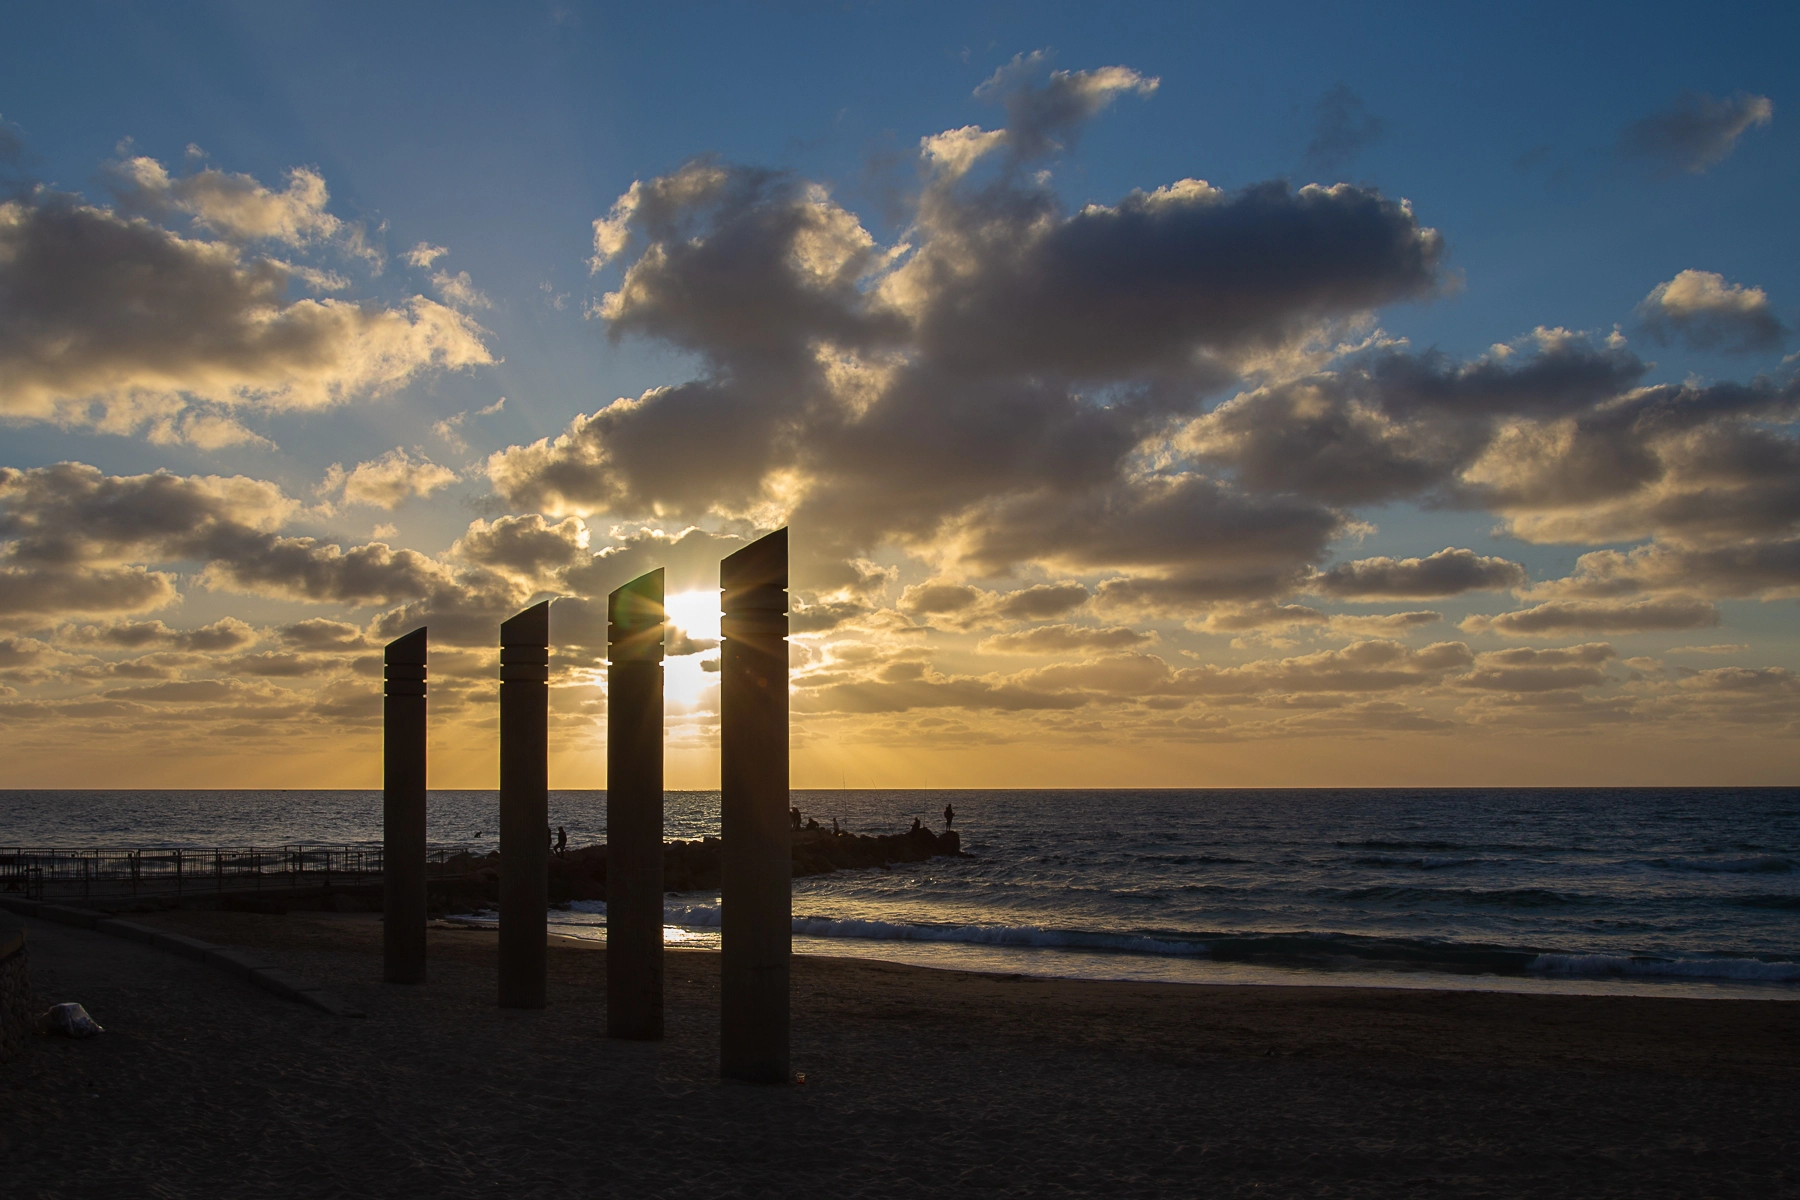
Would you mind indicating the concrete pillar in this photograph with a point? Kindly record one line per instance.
(524, 805)
(634, 809)
(403, 810)
(756, 856)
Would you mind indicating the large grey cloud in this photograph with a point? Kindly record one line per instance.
(1391, 424)
(988, 385)
(113, 319)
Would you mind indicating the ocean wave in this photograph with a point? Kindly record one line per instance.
(1428, 862)
(1770, 864)
(1377, 844)
(1781, 903)
(1500, 897)
(1193, 860)
(1607, 965)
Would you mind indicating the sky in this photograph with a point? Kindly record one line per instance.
(1157, 395)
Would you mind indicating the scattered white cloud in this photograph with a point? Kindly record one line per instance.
(1703, 310)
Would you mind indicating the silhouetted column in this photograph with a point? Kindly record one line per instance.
(403, 810)
(634, 809)
(755, 861)
(524, 805)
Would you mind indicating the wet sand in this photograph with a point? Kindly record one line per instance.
(919, 1082)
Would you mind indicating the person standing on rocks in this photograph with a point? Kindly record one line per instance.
(949, 816)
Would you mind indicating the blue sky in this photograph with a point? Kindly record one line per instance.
(502, 133)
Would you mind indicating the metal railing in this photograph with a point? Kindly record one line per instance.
(39, 873)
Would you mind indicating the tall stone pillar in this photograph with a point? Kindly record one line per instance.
(524, 805)
(634, 809)
(756, 856)
(403, 810)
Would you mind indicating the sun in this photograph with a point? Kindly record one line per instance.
(694, 613)
(685, 681)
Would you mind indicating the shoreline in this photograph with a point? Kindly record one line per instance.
(1200, 971)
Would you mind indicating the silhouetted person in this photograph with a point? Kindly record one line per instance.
(949, 816)
(562, 840)
(794, 817)
(812, 823)
(917, 825)
(835, 831)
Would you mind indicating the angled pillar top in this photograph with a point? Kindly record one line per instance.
(529, 628)
(404, 665)
(756, 577)
(634, 619)
(408, 648)
(525, 646)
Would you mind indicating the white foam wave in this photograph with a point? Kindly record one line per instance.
(995, 935)
(1748, 969)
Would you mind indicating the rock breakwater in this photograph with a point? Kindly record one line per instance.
(693, 866)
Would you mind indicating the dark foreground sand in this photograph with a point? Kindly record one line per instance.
(918, 1083)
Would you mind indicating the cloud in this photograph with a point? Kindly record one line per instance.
(1525, 670)
(1264, 615)
(115, 322)
(1388, 424)
(227, 633)
(1042, 117)
(1344, 127)
(390, 480)
(959, 606)
(460, 290)
(981, 392)
(1697, 463)
(1701, 309)
(12, 142)
(30, 595)
(1375, 665)
(322, 633)
(1761, 570)
(528, 548)
(1695, 133)
(1382, 625)
(69, 535)
(1599, 616)
(424, 255)
(1064, 639)
(233, 206)
(1449, 572)
(450, 428)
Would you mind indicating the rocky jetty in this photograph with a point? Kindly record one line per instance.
(693, 866)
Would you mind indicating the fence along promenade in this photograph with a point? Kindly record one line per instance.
(42, 873)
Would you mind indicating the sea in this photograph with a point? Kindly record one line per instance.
(1662, 891)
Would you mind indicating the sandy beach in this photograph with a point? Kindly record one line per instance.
(918, 1082)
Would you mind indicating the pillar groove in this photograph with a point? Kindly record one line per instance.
(634, 809)
(403, 810)
(756, 854)
(524, 805)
